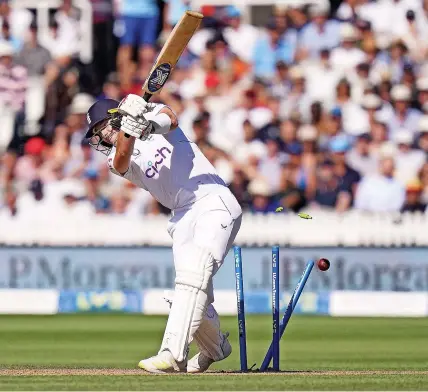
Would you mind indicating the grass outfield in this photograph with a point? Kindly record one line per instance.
(100, 352)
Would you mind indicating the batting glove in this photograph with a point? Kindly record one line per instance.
(139, 128)
(133, 105)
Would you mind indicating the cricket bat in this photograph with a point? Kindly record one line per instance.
(171, 52)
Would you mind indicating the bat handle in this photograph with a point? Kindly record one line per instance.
(146, 97)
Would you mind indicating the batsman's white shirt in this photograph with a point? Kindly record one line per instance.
(171, 168)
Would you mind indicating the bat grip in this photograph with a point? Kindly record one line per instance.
(146, 97)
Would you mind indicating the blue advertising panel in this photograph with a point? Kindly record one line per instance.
(373, 269)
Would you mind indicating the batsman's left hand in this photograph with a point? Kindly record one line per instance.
(133, 105)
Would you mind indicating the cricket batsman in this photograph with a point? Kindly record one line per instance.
(143, 143)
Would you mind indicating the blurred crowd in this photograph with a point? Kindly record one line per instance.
(317, 108)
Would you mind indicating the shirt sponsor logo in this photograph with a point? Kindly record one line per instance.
(156, 165)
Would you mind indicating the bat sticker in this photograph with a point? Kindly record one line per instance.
(158, 77)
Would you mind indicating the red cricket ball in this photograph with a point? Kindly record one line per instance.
(323, 264)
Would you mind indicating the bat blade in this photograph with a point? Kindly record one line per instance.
(171, 52)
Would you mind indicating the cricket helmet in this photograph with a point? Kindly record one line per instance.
(101, 114)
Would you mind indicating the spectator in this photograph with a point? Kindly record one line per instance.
(19, 19)
(348, 178)
(281, 84)
(330, 193)
(13, 80)
(413, 197)
(347, 56)
(321, 78)
(93, 191)
(381, 192)
(408, 161)
(7, 36)
(270, 165)
(298, 102)
(241, 37)
(348, 10)
(33, 56)
(404, 116)
(423, 177)
(262, 197)
(320, 33)
(35, 164)
(140, 22)
(290, 196)
(273, 47)
(13, 88)
(422, 89)
(111, 88)
(103, 39)
(423, 135)
(360, 157)
(250, 147)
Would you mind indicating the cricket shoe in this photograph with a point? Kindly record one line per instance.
(164, 362)
(200, 362)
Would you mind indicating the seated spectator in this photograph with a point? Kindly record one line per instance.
(270, 165)
(6, 36)
(298, 101)
(100, 203)
(350, 110)
(413, 201)
(19, 19)
(250, 147)
(330, 192)
(408, 161)
(322, 77)
(281, 84)
(111, 88)
(290, 196)
(13, 80)
(422, 142)
(61, 43)
(271, 48)
(360, 157)
(241, 37)
(348, 177)
(262, 196)
(239, 187)
(319, 33)
(33, 56)
(119, 203)
(381, 192)
(347, 56)
(35, 164)
(423, 178)
(404, 116)
(422, 89)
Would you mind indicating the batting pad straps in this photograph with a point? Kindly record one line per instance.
(161, 123)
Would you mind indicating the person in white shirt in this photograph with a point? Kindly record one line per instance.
(240, 37)
(381, 192)
(408, 161)
(347, 56)
(143, 144)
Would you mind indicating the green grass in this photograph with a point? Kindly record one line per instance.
(338, 348)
